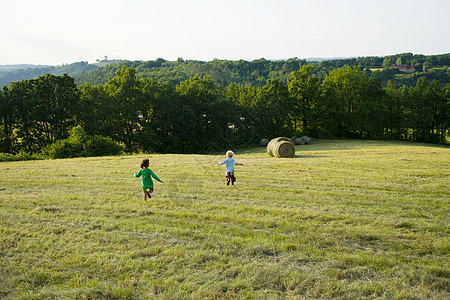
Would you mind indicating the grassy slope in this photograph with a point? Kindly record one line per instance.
(344, 219)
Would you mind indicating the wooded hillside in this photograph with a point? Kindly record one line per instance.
(249, 73)
(199, 115)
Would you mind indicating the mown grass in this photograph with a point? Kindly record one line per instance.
(344, 219)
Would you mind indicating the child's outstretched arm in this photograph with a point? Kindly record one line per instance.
(138, 174)
(154, 176)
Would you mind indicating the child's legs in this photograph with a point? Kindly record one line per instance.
(233, 179)
(146, 191)
(230, 176)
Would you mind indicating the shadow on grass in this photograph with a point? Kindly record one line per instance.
(311, 156)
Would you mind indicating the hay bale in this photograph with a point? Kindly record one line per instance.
(284, 149)
(299, 141)
(271, 144)
(307, 140)
(292, 141)
(281, 147)
(264, 142)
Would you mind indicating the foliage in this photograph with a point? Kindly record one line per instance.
(258, 72)
(8, 68)
(126, 96)
(37, 112)
(79, 144)
(224, 72)
(31, 72)
(74, 69)
(19, 156)
(201, 116)
(18, 75)
(241, 72)
(305, 91)
(354, 104)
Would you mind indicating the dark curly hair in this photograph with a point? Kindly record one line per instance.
(145, 163)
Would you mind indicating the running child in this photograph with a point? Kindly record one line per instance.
(147, 182)
(230, 163)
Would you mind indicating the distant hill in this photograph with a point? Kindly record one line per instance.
(257, 72)
(10, 73)
(75, 69)
(10, 68)
(242, 72)
(19, 74)
(319, 59)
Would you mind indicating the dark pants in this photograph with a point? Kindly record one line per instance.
(230, 177)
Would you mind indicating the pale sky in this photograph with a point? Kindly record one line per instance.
(54, 32)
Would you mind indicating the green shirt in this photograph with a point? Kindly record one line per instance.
(147, 175)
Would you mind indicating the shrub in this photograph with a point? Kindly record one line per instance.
(100, 146)
(79, 144)
(64, 149)
(19, 156)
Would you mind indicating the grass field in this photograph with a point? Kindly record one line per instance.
(344, 219)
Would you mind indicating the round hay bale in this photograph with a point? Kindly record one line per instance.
(269, 148)
(307, 140)
(299, 141)
(264, 142)
(271, 144)
(292, 141)
(284, 149)
(281, 138)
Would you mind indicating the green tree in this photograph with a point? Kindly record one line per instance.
(388, 61)
(421, 111)
(246, 127)
(344, 90)
(6, 121)
(206, 113)
(305, 90)
(126, 92)
(98, 112)
(23, 104)
(429, 109)
(445, 113)
(272, 109)
(371, 109)
(162, 119)
(57, 103)
(395, 119)
(440, 112)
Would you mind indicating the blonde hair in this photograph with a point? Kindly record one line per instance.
(230, 153)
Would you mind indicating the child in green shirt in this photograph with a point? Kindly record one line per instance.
(147, 182)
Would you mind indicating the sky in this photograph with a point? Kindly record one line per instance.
(55, 32)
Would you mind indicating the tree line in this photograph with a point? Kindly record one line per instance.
(257, 72)
(248, 73)
(199, 115)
